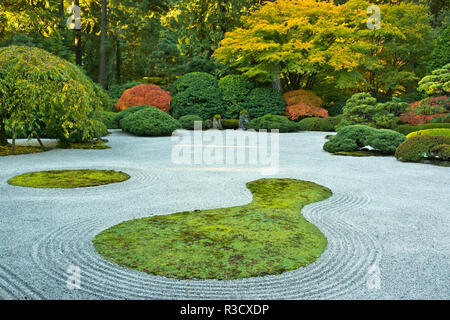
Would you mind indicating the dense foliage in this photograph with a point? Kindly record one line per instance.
(417, 149)
(359, 137)
(270, 122)
(433, 132)
(149, 122)
(145, 94)
(187, 122)
(197, 93)
(39, 89)
(235, 91)
(319, 124)
(407, 129)
(262, 101)
(363, 109)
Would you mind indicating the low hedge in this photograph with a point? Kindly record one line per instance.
(430, 132)
(406, 129)
(187, 122)
(270, 122)
(319, 124)
(109, 119)
(150, 122)
(123, 114)
(357, 137)
(419, 148)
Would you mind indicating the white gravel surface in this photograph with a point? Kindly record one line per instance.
(385, 217)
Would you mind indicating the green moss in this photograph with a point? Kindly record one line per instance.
(267, 236)
(68, 178)
(360, 153)
(91, 145)
(7, 150)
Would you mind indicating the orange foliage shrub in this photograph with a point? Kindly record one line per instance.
(305, 96)
(302, 110)
(303, 103)
(416, 119)
(145, 94)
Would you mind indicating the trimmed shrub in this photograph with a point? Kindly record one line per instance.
(150, 122)
(419, 148)
(432, 132)
(117, 90)
(301, 110)
(263, 101)
(197, 93)
(123, 114)
(302, 104)
(235, 91)
(187, 122)
(109, 119)
(441, 151)
(270, 122)
(145, 94)
(357, 137)
(406, 129)
(319, 124)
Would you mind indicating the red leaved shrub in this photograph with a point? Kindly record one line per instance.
(145, 94)
(302, 104)
(416, 119)
(302, 110)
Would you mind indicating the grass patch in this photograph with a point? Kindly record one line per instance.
(7, 150)
(361, 153)
(68, 178)
(267, 236)
(91, 145)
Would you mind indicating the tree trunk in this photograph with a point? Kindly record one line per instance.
(14, 140)
(118, 60)
(276, 80)
(62, 15)
(78, 51)
(3, 140)
(103, 33)
(39, 140)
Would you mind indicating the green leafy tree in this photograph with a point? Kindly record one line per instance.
(38, 87)
(438, 83)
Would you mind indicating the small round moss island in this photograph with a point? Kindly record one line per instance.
(265, 237)
(67, 179)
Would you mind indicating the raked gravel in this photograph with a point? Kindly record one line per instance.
(387, 220)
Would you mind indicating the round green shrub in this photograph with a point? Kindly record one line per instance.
(418, 148)
(441, 151)
(270, 122)
(432, 132)
(123, 114)
(406, 129)
(319, 124)
(357, 137)
(262, 101)
(235, 91)
(187, 122)
(150, 122)
(109, 119)
(197, 93)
